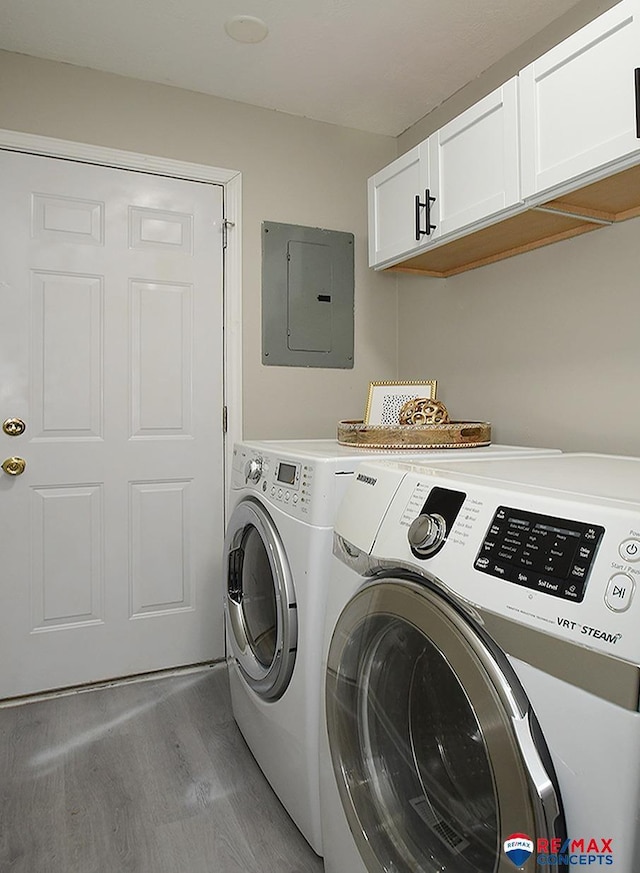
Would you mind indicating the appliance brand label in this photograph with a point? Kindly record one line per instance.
(585, 630)
(368, 480)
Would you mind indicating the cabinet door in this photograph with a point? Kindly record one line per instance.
(393, 222)
(578, 102)
(474, 162)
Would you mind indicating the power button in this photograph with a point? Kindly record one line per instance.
(630, 550)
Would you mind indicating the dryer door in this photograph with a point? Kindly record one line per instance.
(437, 755)
(260, 605)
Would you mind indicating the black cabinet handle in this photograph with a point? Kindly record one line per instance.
(637, 75)
(428, 200)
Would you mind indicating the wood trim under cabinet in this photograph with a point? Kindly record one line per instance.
(521, 233)
(616, 198)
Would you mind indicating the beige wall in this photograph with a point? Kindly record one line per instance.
(502, 71)
(294, 170)
(544, 345)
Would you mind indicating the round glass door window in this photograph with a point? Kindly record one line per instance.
(428, 765)
(258, 598)
(260, 604)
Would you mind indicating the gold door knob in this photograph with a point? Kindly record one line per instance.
(14, 426)
(14, 466)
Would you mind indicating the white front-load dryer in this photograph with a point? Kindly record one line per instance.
(278, 552)
(483, 675)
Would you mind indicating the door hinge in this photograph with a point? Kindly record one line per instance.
(225, 419)
(225, 225)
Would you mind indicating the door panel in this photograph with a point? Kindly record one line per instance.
(111, 352)
(578, 102)
(475, 170)
(392, 212)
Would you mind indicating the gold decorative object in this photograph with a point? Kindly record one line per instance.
(446, 435)
(423, 410)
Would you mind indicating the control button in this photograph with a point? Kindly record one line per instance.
(630, 550)
(585, 552)
(295, 498)
(287, 495)
(426, 534)
(546, 584)
(578, 571)
(502, 571)
(619, 593)
(253, 470)
(280, 493)
(573, 591)
(273, 490)
(522, 577)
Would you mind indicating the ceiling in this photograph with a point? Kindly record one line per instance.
(374, 65)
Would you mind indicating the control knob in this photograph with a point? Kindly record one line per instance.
(253, 470)
(426, 534)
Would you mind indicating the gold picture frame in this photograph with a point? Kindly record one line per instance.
(385, 399)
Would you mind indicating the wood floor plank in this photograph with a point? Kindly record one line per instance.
(143, 777)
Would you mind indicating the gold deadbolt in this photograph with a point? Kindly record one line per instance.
(14, 466)
(14, 426)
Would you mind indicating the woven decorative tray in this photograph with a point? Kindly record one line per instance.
(453, 435)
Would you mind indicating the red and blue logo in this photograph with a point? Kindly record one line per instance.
(518, 848)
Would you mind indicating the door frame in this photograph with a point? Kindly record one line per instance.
(231, 181)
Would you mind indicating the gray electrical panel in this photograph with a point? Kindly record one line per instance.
(307, 296)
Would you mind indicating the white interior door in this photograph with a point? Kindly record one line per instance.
(111, 353)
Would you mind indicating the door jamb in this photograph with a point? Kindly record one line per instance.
(231, 180)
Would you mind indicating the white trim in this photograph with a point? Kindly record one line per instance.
(232, 182)
(91, 154)
(233, 324)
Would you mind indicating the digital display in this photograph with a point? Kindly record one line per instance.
(552, 555)
(287, 473)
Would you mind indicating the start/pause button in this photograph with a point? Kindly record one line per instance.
(619, 592)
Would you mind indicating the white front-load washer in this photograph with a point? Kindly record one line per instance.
(278, 551)
(483, 668)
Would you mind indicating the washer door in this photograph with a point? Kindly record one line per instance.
(437, 755)
(260, 604)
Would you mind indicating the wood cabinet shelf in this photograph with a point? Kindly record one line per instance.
(615, 198)
(607, 201)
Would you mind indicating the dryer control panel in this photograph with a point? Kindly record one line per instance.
(541, 552)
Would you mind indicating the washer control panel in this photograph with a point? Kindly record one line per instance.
(544, 553)
(285, 481)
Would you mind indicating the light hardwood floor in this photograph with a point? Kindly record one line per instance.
(144, 777)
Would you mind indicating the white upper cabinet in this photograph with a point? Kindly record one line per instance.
(397, 221)
(475, 163)
(579, 106)
(467, 173)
